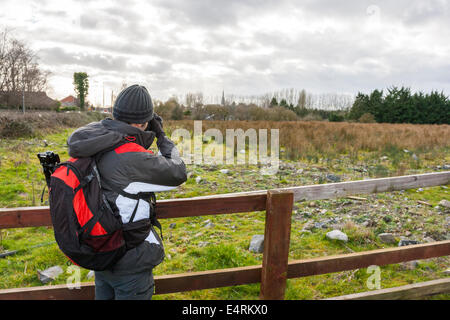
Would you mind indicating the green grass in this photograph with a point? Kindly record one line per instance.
(191, 247)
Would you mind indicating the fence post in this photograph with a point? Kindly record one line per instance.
(276, 244)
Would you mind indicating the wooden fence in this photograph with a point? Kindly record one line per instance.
(275, 268)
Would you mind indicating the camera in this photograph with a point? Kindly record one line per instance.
(48, 160)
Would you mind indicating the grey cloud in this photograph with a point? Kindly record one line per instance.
(427, 12)
(205, 13)
(88, 21)
(348, 58)
(52, 13)
(58, 56)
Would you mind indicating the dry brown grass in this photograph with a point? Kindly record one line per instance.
(302, 138)
(15, 124)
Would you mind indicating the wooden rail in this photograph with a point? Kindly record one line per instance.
(408, 292)
(248, 275)
(275, 268)
(243, 201)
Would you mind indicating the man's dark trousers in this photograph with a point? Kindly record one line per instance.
(110, 286)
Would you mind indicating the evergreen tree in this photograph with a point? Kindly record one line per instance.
(81, 83)
(273, 102)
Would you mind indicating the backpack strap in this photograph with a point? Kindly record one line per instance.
(149, 196)
(135, 196)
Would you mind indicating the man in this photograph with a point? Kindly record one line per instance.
(130, 169)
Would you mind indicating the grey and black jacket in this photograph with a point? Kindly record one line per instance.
(132, 168)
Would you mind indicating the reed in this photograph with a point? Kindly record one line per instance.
(303, 139)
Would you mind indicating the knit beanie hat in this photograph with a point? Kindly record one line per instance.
(133, 105)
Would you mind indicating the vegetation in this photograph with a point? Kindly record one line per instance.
(347, 150)
(81, 86)
(314, 140)
(399, 105)
(39, 123)
(19, 69)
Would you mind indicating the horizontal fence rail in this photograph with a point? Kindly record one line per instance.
(410, 291)
(248, 275)
(276, 268)
(243, 201)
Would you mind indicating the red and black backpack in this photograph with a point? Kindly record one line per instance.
(87, 230)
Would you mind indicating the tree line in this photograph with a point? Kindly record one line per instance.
(400, 105)
(397, 105)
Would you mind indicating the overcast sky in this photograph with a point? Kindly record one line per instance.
(244, 47)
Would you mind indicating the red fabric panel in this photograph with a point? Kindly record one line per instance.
(71, 180)
(131, 147)
(84, 214)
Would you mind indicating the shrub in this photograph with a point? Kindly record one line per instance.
(367, 118)
(17, 128)
(17, 124)
(334, 117)
(64, 109)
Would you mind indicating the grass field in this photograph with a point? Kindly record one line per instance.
(310, 153)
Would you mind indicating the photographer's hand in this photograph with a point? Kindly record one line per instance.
(155, 125)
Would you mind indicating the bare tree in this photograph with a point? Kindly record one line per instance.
(19, 69)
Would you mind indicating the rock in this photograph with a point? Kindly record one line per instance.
(333, 178)
(446, 167)
(337, 235)
(202, 244)
(242, 151)
(49, 274)
(224, 171)
(257, 244)
(410, 265)
(387, 238)
(198, 179)
(447, 272)
(444, 203)
(429, 239)
(419, 190)
(172, 225)
(320, 225)
(312, 204)
(384, 158)
(308, 226)
(45, 143)
(209, 225)
(407, 242)
(405, 150)
(415, 157)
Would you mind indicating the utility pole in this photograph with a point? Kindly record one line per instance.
(23, 91)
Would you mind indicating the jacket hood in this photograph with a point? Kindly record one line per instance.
(97, 136)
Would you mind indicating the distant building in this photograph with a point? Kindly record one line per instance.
(33, 100)
(69, 101)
